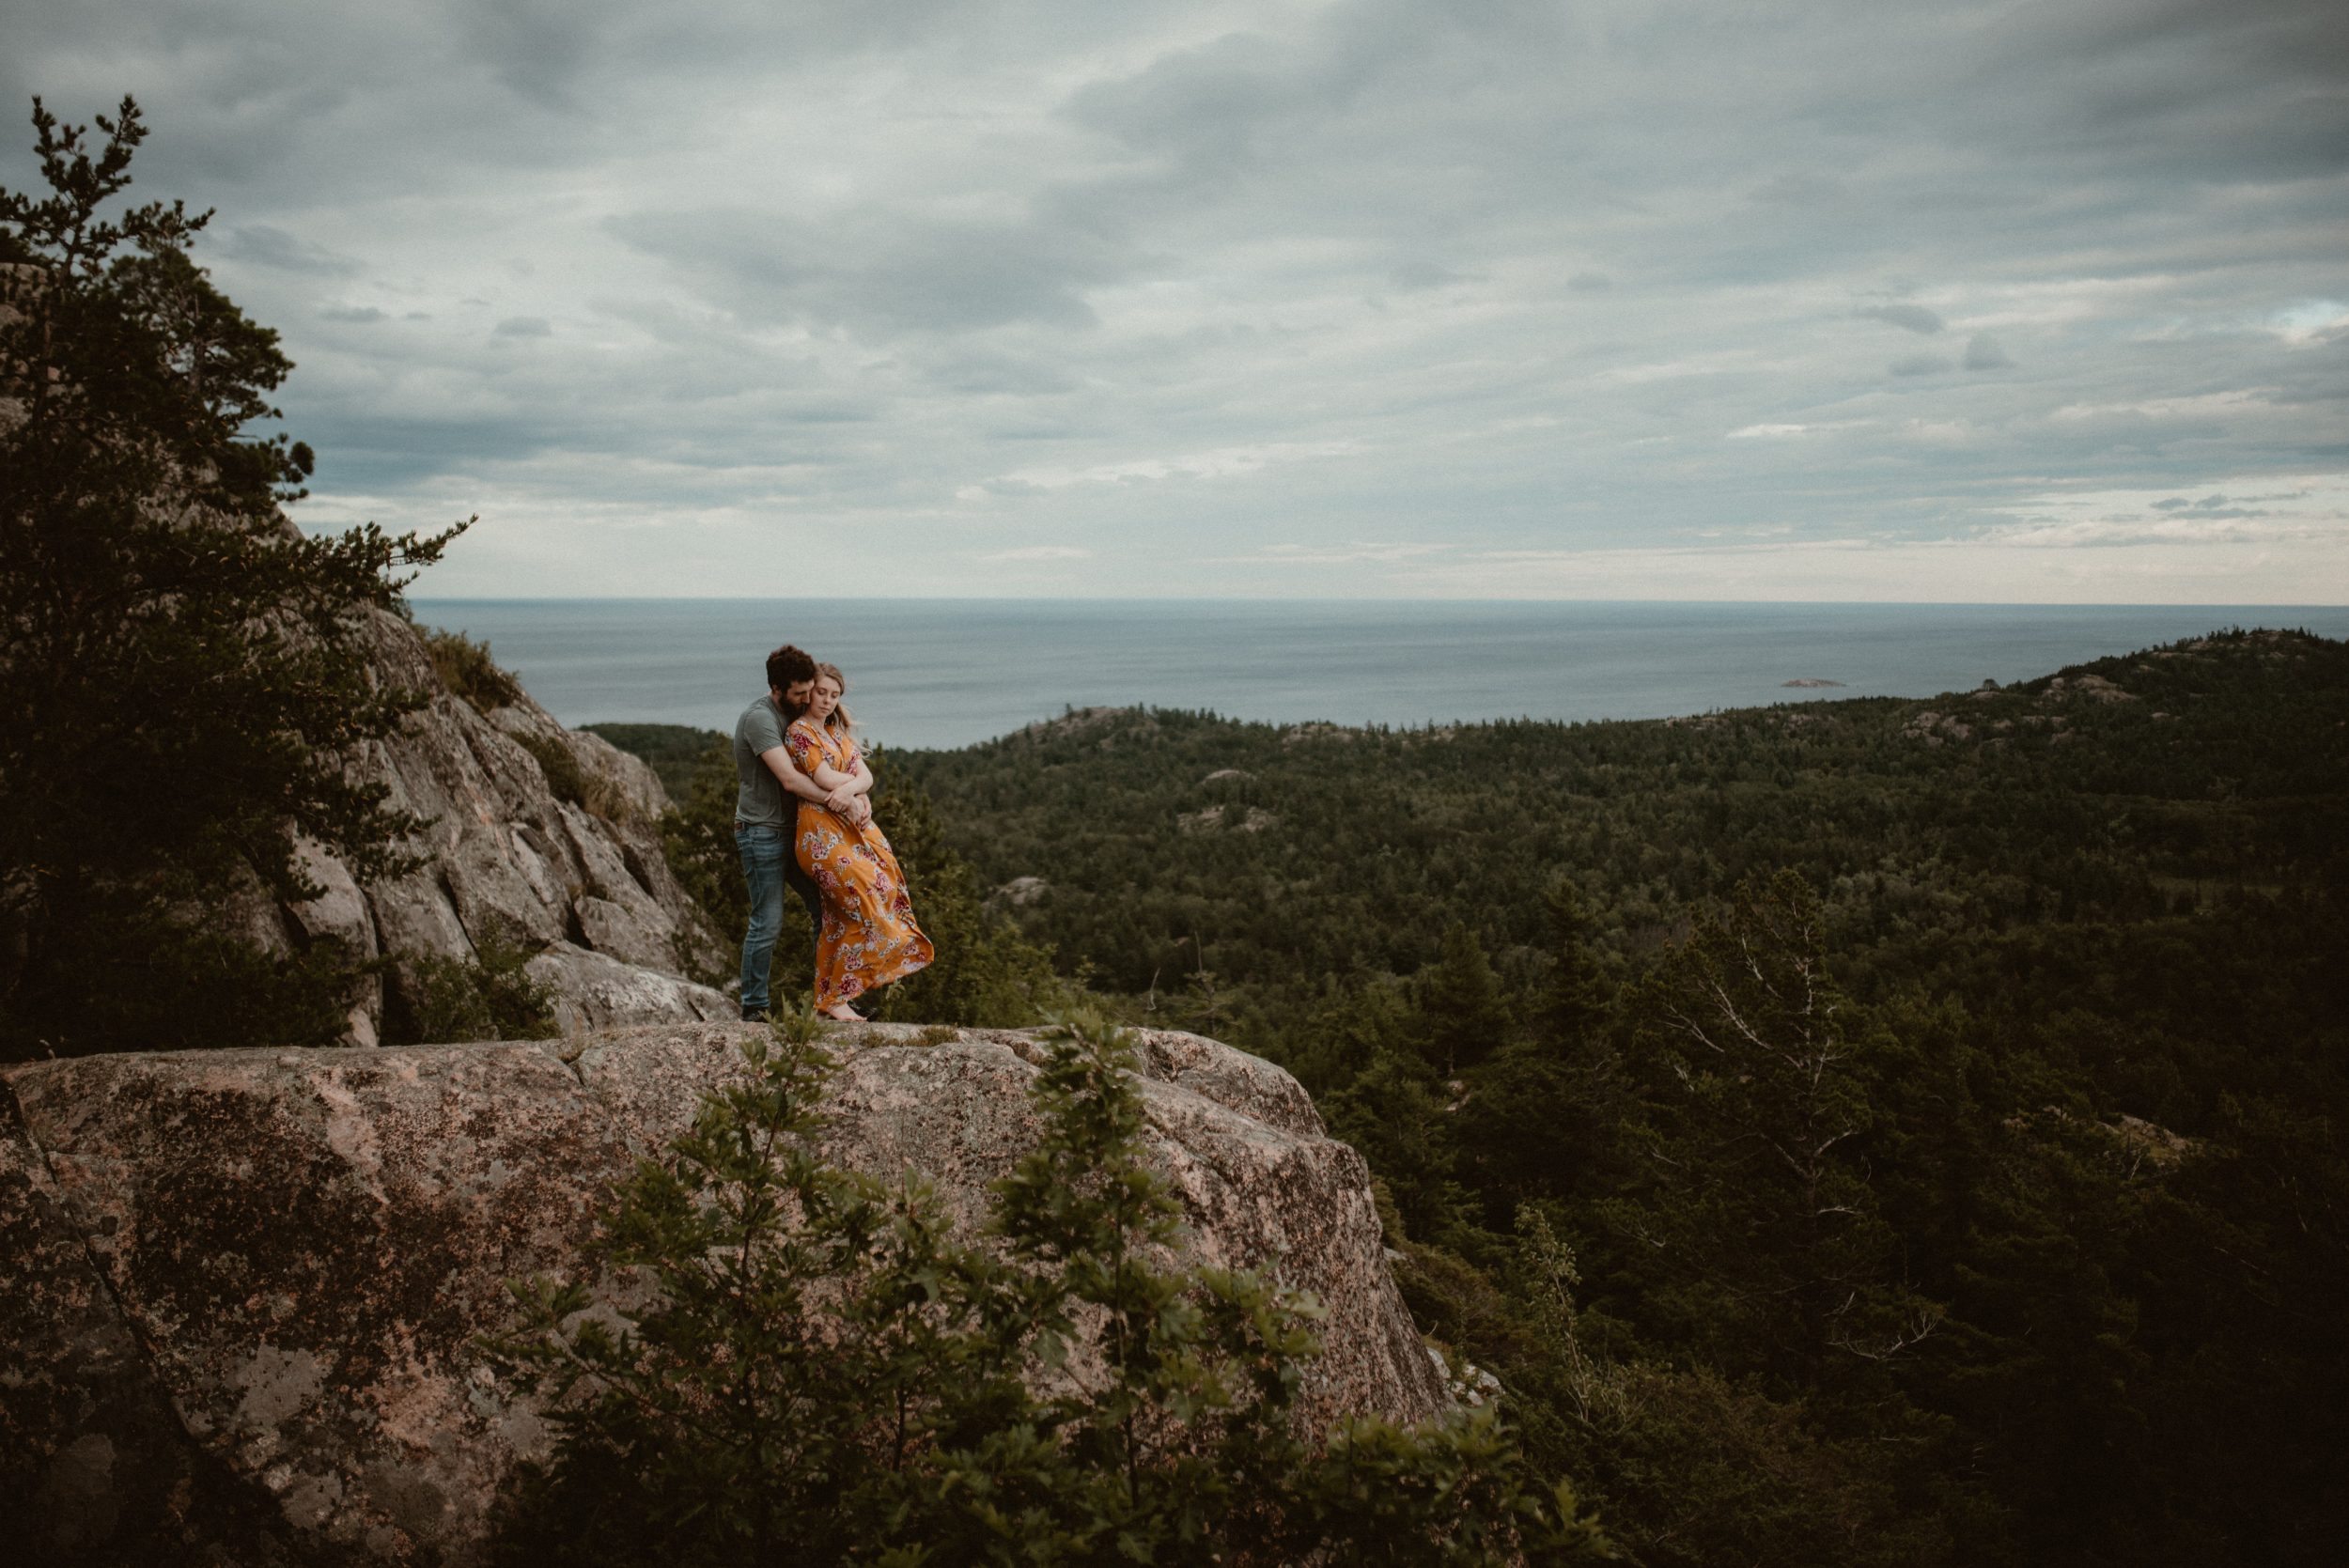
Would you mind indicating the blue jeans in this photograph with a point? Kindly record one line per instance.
(767, 865)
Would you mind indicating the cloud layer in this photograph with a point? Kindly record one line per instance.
(1809, 299)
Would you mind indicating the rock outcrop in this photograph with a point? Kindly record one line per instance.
(538, 837)
(241, 1291)
(508, 857)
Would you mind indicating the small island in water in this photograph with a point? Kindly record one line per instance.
(1809, 682)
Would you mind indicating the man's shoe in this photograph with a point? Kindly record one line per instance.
(753, 1015)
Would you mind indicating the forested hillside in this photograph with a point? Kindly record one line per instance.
(2127, 791)
(1976, 1193)
(1860, 1131)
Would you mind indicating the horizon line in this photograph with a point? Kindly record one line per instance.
(1364, 599)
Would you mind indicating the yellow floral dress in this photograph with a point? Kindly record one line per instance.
(869, 935)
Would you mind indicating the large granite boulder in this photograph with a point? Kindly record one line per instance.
(240, 1291)
(595, 990)
(537, 836)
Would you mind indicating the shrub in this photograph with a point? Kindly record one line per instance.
(828, 1375)
(697, 840)
(467, 670)
(563, 775)
(673, 752)
(487, 997)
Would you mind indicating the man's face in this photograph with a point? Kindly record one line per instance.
(796, 694)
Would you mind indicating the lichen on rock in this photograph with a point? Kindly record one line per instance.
(513, 855)
(258, 1279)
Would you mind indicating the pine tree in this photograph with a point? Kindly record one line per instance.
(1579, 993)
(828, 1376)
(1764, 1221)
(179, 685)
(1463, 1016)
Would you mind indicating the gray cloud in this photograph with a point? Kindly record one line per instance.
(1916, 318)
(1145, 287)
(878, 272)
(260, 245)
(537, 48)
(2210, 506)
(1801, 190)
(1416, 275)
(1983, 354)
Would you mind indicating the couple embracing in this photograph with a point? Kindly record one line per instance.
(803, 816)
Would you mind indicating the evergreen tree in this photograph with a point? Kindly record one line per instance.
(1396, 1117)
(1764, 1221)
(985, 972)
(1463, 1016)
(179, 686)
(1576, 1000)
(1542, 1117)
(828, 1375)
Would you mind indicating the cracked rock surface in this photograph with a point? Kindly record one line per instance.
(240, 1291)
(508, 859)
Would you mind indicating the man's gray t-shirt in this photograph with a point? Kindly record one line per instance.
(762, 798)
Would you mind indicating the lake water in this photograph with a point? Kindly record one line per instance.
(936, 673)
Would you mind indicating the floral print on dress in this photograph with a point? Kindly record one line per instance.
(870, 938)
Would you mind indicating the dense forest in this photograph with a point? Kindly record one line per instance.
(1850, 1131)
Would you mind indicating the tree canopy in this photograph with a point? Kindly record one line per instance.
(180, 685)
(1858, 1131)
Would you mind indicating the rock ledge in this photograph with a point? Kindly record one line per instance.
(239, 1290)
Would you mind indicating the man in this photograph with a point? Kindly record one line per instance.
(765, 817)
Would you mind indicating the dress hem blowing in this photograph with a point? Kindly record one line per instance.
(870, 938)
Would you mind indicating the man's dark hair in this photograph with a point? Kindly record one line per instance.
(787, 664)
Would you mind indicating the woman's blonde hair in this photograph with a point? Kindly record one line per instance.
(841, 719)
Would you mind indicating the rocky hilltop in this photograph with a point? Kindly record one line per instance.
(241, 1291)
(538, 836)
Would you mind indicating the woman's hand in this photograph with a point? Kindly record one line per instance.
(839, 799)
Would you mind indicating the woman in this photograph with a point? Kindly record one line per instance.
(869, 936)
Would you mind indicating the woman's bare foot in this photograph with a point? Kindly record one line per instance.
(842, 1012)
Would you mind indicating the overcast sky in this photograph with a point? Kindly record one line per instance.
(2038, 301)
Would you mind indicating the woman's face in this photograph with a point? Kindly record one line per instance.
(821, 701)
